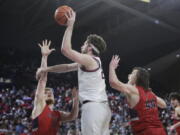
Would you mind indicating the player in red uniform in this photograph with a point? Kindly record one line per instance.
(46, 121)
(140, 98)
(175, 102)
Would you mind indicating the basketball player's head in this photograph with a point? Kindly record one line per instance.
(49, 96)
(139, 77)
(175, 99)
(94, 44)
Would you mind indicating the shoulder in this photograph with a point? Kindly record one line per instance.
(132, 89)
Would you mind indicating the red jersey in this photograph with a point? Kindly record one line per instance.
(147, 115)
(178, 128)
(47, 123)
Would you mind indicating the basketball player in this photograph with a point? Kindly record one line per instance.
(96, 113)
(140, 98)
(175, 102)
(46, 121)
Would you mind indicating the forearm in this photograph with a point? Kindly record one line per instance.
(66, 43)
(112, 76)
(44, 61)
(116, 84)
(62, 68)
(75, 109)
(43, 78)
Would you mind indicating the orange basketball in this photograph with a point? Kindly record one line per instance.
(59, 14)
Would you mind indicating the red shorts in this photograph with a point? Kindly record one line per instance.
(152, 131)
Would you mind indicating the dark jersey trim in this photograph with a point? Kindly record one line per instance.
(93, 70)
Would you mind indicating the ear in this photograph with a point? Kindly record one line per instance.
(89, 48)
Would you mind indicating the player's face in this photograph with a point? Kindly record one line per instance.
(174, 103)
(49, 97)
(84, 47)
(132, 77)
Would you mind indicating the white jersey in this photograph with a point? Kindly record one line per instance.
(92, 84)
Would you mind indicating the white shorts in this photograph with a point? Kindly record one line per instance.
(95, 118)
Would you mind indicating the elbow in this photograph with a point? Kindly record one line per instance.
(65, 50)
(112, 83)
(73, 117)
(164, 105)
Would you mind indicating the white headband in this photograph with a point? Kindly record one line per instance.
(95, 49)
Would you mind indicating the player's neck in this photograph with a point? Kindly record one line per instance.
(51, 106)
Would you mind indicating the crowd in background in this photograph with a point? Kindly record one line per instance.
(16, 106)
(17, 88)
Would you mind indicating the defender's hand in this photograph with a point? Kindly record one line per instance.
(114, 62)
(45, 50)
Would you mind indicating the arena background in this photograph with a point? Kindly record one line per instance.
(144, 34)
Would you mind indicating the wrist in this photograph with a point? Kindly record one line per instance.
(111, 67)
(70, 27)
(44, 56)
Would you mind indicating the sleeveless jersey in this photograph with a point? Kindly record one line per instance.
(146, 112)
(92, 83)
(47, 123)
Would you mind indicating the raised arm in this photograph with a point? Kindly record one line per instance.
(66, 47)
(68, 116)
(62, 68)
(113, 80)
(39, 101)
(161, 103)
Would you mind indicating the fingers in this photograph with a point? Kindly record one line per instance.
(115, 57)
(49, 43)
(66, 16)
(70, 14)
(52, 50)
(39, 45)
(45, 43)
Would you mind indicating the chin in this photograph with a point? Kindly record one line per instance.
(49, 101)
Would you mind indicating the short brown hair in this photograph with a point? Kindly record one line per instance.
(142, 77)
(48, 89)
(175, 96)
(98, 42)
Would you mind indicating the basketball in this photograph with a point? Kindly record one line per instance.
(59, 14)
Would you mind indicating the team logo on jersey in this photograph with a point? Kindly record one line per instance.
(150, 104)
(55, 120)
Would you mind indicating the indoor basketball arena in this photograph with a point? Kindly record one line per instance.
(90, 67)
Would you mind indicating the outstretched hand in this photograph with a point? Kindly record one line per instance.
(114, 62)
(45, 50)
(71, 17)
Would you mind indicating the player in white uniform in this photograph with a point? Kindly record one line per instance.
(96, 113)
